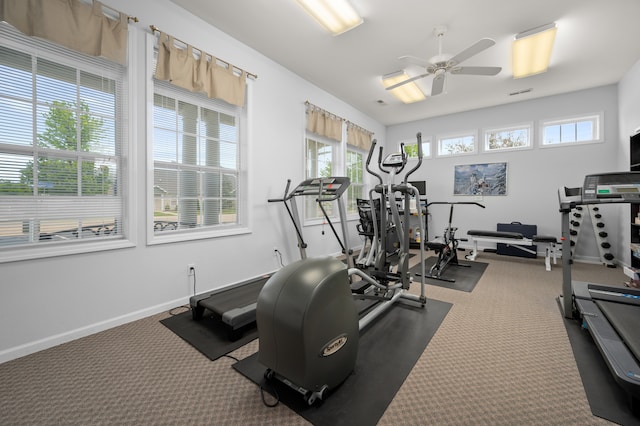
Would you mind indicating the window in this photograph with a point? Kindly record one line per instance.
(355, 171)
(197, 184)
(463, 143)
(63, 147)
(320, 160)
(411, 148)
(332, 151)
(508, 138)
(571, 130)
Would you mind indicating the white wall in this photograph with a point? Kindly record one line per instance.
(534, 175)
(48, 301)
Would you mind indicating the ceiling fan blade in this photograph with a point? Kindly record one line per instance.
(438, 84)
(474, 49)
(415, 61)
(409, 80)
(476, 70)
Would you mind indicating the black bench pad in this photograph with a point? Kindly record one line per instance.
(435, 245)
(544, 239)
(496, 234)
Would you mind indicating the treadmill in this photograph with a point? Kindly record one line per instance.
(610, 313)
(235, 305)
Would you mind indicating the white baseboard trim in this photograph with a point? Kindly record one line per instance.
(49, 342)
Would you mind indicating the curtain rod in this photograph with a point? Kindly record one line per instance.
(349, 123)
(129, 17)
(255, 76)
(309, 104)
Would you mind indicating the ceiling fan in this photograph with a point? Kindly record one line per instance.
(440, 64)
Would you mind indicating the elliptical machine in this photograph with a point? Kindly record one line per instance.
(386, 216)
(308, 322)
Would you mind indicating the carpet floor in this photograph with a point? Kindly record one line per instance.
(501, 356)
(387, 352)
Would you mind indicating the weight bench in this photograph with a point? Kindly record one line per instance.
(517, 240)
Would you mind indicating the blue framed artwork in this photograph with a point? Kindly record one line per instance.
(480, 179)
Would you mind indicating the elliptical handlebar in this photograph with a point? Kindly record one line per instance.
(419, 163)
(380, 161)
(373, 146)
(404, 158)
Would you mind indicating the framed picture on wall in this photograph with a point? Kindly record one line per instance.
(480, 179)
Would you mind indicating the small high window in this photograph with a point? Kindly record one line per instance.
(460, 143)
(583, 129)
(508, 138)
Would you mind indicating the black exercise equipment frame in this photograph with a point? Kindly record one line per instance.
(584, 301)
(447, 249)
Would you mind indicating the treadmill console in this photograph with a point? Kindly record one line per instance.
(332, 187)
(621, 187)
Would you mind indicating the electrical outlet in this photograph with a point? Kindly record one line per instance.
(191, 269)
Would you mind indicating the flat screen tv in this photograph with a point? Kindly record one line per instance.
(420, 185)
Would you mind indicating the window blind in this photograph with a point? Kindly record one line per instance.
(197, 183)
(63, 144)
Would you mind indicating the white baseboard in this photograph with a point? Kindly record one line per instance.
(49, 342)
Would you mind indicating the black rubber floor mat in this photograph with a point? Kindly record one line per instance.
(465, 277)
(389, 348)
(208, 335)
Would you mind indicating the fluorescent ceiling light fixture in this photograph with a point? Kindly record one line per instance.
(407, 93)
(532, 50)
(337, 16)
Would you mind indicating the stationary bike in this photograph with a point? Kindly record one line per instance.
(447, 247)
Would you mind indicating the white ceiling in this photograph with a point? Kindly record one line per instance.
(596, 43)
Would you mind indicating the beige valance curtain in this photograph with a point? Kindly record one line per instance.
(324, 123)
(199, 74)
(358, 137)
(71, 23)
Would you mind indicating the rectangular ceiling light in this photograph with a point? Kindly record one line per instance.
(532, 50)
(407, 93)
(337, 16)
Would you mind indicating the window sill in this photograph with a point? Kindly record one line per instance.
(14, 254)
(177, 236)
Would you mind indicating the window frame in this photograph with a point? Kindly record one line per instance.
(597, 120)
(513, 127)
(426, 152)
(242, 225)
(362, 184)
(66, 57)
(456, 135)
(336, 150)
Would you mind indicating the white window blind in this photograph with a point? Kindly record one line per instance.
(355, 173)
(320, 161)
(197, 184)
(62, 145)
